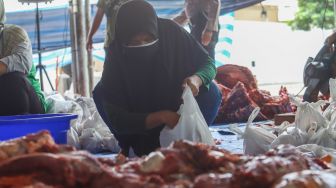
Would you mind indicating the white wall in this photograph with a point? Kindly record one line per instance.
(279, 52)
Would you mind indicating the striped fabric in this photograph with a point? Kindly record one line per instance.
(55, 35)
(224, 45)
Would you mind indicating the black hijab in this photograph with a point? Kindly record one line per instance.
(153, 80)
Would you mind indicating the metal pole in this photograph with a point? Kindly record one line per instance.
(78, 41)
(90, 60)
(73, 37)
(39, 45)
(82, 66)
(40, 67)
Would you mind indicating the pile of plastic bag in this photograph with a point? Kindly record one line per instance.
(88, 131)
(312, 127)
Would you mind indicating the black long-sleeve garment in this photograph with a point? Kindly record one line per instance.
(133, 88)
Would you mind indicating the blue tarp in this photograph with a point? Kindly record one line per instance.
(55, 21)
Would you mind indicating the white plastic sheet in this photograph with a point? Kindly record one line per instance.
(191, 125)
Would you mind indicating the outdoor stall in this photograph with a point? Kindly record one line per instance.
(258, 139)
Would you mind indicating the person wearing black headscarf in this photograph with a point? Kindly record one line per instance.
(145, 70)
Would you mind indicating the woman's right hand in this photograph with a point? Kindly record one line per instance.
(166, 117)
(170, 118)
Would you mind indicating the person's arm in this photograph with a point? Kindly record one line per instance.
(212, 24)
(126, 122)
(95, 25)
(20, 57)
(331, 39)
(181, 19)
(164, 117)
(203, 77)
(3, 68)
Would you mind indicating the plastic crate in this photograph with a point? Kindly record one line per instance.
(21, 125)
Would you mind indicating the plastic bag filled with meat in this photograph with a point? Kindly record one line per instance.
(315, 151)
(257, 140)
(293, 136)
(72, 138)
(308, 113)
(96, 136)
(191, 125)
(325, 136)
(330, 112)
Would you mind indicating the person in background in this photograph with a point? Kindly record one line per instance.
(20, 92)
(110, 9)
(145, 70)
(203, 18)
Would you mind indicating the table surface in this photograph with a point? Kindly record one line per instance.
(226, 139)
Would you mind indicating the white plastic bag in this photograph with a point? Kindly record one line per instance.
(308, 113)
(293, 136)
(330, 112)
(316, 151)
(72, 138)
(91, 140)
(96, 136)
(325, 136)
(257, 140)
(191, 125)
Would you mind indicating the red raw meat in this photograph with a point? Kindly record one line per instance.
(224, 90)
(260, 96)
(229, 75)
(277, 105)
(183, 164)
(238, 105)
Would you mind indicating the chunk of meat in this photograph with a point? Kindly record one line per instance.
(183, 164)
(238, 105)
(229, 75)
(32, 143)
(260, 97)
(213, 180)
(69, 170)
(224, 90)
(307, 179)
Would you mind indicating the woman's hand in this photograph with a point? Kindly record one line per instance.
(170, 118)
(194, 82)
(166, 117)
(3, 68)
(206, 37)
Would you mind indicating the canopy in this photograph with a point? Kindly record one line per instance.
(54, 24)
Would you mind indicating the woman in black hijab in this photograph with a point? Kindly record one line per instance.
(146, 68)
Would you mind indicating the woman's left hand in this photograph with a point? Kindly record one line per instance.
(194, 82)
(206, 37)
